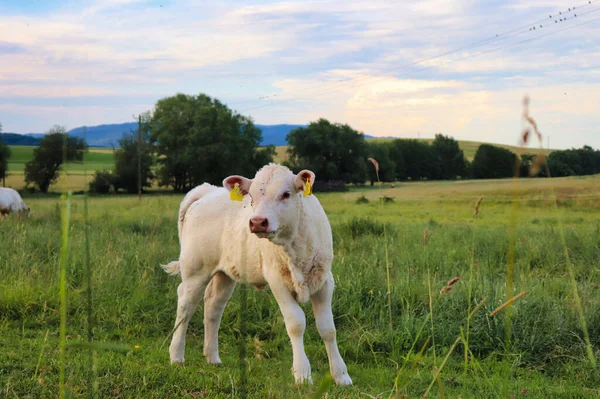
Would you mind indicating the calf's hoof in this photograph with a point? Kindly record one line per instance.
(343, 380)
(303, 380)
(215, 360)
(302, 375)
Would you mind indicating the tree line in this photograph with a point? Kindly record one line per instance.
(338, 152)
(188, 140)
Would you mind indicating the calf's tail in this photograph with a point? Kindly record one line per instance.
(172, 268)
(191, 197)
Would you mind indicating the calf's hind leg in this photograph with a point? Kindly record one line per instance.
(217, 294)
(190, 293)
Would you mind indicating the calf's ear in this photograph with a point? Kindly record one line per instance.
(302, 178)
(230, 182)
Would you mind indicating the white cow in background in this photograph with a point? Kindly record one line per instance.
(276, 235)
(11, 202)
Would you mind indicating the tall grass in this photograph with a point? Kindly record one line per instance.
(573, 280)
(540, 160)
(92, 379)
(64, 260)
(385, 237)
(133, 301)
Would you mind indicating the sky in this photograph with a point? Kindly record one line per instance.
(386, 68)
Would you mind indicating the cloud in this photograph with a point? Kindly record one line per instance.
(384, 67)
(25, 90)
(10, 48)
(407, 108)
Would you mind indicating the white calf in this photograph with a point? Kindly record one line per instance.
(276, 235)
(11, 202)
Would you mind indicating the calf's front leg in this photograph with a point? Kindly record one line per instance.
(295, 324)
(321, 302)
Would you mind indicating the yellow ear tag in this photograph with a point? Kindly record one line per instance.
(307, 188)
(236, 193)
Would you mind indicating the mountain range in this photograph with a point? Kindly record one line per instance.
(109, 135)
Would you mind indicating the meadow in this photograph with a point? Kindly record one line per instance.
(394, 333)
(76, 174)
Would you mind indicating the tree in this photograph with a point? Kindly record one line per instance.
(413, 159)
(333, 151)
(448, 159)
(526, 164)
(492, 162)
(589, 160)
(199, 139)
(126, 162)
(264, 155)
(102, 182)
(387, 168)
(55, 148)
(5, 154)
(574, 162)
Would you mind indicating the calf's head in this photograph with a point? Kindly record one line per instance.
(275, 197)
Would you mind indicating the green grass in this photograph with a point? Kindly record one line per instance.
(135, 301)
(94, 159)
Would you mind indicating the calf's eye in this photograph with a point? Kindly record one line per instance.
(285, 195)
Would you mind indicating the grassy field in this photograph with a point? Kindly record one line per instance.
(134, 301)
(94, 159)
(73, 176)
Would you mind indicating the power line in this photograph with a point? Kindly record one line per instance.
(501, 36)
(478, 54)
(352, 84)
(330, 90)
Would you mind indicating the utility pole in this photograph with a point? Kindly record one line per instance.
(548, 142)
(3, 177)
(139, 157)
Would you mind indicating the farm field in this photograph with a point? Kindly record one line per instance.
(134, 301)
(72, 177)
(94, 159)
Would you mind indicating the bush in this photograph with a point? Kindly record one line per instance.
(102, 182)
(362, 200)
(358, 227)
(329, 186)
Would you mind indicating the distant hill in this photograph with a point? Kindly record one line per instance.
(96, 136)
(109, 135)
(276, 134)
(19, 139)
(104, 135)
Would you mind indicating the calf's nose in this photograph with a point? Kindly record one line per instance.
(259, 224)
